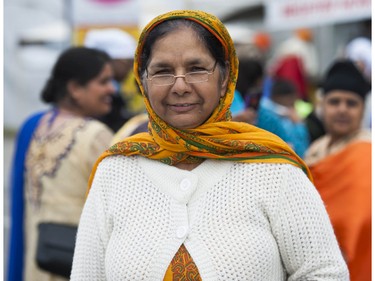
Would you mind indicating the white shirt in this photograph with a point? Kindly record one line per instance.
(238, 221)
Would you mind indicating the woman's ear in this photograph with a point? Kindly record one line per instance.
(74, 89)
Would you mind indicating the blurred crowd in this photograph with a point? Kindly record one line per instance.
(325, 118)
(281, 91)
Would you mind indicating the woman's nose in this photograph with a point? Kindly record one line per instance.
(180, 85)
(342, 106)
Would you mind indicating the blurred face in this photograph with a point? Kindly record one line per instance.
(183, 105)
(95, 98)
(342, 112)
(286, 100)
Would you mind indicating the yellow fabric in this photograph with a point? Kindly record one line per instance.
(218, 137)
(182, 267)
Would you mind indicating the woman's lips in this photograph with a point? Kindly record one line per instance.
(107, 99)
(182, 107)
(342, 120)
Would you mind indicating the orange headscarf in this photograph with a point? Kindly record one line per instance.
(218, 137)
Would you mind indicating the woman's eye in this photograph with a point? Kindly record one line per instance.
(333, 101)
(197, 68)
(352, 103)
(163, 71)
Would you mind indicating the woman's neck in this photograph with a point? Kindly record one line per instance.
(67, 108)
(187, 166)
(336, 139)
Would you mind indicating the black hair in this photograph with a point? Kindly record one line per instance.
(250, 70)
(282, 87)
(79, 64)
(343, 74)
(209, 40)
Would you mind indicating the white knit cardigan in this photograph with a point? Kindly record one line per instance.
(239, 221)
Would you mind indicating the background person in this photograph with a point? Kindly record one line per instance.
(249, 90)
(120, 46)
(301, 45)
(55, 152)
(136, 124)
(277, 114)
(340, 162)
(313, 120)
(199, 195)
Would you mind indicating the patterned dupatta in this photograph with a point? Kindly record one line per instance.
(218, 137)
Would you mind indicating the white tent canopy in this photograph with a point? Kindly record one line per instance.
(56, 31)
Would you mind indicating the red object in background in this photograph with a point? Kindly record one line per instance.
(291, 68)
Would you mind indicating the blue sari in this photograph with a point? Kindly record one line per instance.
(16, 236)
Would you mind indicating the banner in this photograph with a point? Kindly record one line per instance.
(290, 14)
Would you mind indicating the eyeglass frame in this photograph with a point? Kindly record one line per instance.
(182, 76)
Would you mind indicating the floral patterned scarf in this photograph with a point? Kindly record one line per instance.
(218, 137)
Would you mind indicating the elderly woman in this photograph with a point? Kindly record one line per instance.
(340, 162)
(199, 197)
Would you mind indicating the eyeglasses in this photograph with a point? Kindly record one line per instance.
(190, 77)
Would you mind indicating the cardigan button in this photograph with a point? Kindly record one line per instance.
(185, 184)
(181, 232)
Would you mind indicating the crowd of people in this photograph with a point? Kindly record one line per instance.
(240, 167)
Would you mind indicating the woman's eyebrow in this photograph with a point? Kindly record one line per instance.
(159, 65)
(188, 63)
(196, 61)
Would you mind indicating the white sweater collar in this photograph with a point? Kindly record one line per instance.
(170, 179)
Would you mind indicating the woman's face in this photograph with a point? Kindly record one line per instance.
(95, 98)
(183, 105)
(342, 112)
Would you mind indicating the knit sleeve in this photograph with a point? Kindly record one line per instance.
(304, 234)
(93, 233)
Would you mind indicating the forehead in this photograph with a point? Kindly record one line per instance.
(107, 69)
(180, 44)
(343, 95)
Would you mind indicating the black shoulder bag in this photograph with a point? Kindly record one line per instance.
(55, 248)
